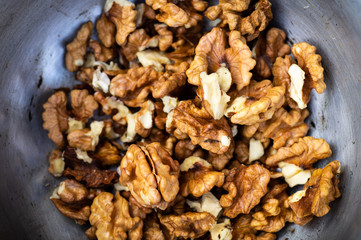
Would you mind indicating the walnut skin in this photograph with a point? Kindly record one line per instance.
(165, 36)
(172, 15)
(73, 200)
(123, 18)
(318, 192)
(111, 219)
(246, 187)
(150, 174)
(101, 53)
(219, 161)
(106, 31)
(188, 225)
(55, 118)
(212, 135)
(199, 178)
(304, 153)
(137, 41)
(152, 230)
(108, 154)
(76, 50)
(83, 104)
(242, 227)
(211, 53)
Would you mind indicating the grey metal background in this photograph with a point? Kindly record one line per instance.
(33, 34)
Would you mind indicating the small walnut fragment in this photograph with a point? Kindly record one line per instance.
(246, 186)
(150, 174)
(208, 203)
(89, 173)
(144, 119)
(212, 135)
(83, 104)
(56, 163)
(242, 227)
(211, 54)
(165, 37)
(76, 50)
(113, 106)
(111, 219)
(188, 225)
(318, 192)
(137, 41)
(101, 53)
(152, 230)
(73, 200)
(198, 178)
(108, 154)
(219, 161)
(55, 117)
(123, 15)
(173, 15)
(304, 153)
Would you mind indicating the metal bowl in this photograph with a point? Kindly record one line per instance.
(33, 36)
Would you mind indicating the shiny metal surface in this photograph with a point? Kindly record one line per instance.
(32, 39)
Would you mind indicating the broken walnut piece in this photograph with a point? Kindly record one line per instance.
(101, 53)
(150, 174)
(173, 15)
(310, 62)
(160, 116)
(212, 135)
(165, 37)
(241, 152)
(257, 21)
(246, 186)
(144, 119)
(185, 148)
(137, 41)
(108, 154)
(111, 219)
(73, 200)
(152, 230)
(197, 177)
(219, 161)
(83, 104)
(242, 227)
(187, 225)
(106, 31)
(211, 54)
(123, 17)
(318, 192)
(113, 106)
(56, 163)
(76, 50)
(137, 210)
(247, 111)
(87, 172)
(55, 117)
(303, 153)
(134, 86)
(86, 139)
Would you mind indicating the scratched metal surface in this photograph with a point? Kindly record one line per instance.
(33, 34)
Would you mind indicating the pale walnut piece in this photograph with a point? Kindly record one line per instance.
(134, 86)
(211, 54)
(144, 119)
(247, 111)
(73, 200)
(56, 163)
(212, 135)
(268, 49)
(318, 192)
(199, 178)
(83, 104)
(188, 225)
(252, 25)
(55, 117)
(304, 153)
(76, 50)
(108, 154)
(150, 174)
(111, 219)
(123, 18)
(310, 62)
(246, 186)
(106, 31)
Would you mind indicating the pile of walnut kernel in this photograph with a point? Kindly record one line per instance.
(198, 135)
